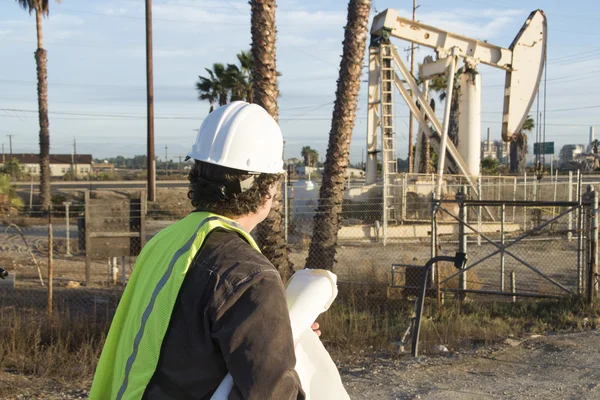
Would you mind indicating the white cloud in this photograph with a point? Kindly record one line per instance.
(481, 24)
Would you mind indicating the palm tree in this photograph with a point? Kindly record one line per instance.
(270, 233)
(327, 220)
(42, 8)
(236, 82)
(310, 155)
(518, 147)
(214, 88)
(245, 59)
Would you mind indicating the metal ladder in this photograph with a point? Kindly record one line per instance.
(389, 162)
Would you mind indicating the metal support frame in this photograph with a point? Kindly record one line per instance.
(444, 142)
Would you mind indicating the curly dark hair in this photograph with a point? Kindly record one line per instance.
(215, 189)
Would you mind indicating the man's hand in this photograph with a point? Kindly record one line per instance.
(315, 328)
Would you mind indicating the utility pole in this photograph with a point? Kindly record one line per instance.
(166, 160)
(10, 139)
(150, 97)
(410, 119)
(74, 159)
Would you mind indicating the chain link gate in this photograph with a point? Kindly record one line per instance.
(548, 251)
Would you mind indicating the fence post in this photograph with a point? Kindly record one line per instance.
(67, 204)
(479, 197)
(593, 263)
(525, 199)
(31, 196)
(88, 242)
(384, 218)
(123, 271)
(462, 238)
(514, 199)
(404, 190)
(580, 222)
(555, 189)
(570, 198)
(513, 286)
(502, 234)
(285, 207)
(433, 234)
(50, 266)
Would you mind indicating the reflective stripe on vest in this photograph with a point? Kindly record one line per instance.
(132, 349)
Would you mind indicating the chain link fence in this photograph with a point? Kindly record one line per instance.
(377, 267)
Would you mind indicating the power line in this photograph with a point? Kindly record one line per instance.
(195, 22)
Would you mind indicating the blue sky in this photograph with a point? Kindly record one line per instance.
(96, 69)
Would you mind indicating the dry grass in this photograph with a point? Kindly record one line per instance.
(59, 348)
(364, 317)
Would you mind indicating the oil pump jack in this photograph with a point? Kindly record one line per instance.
(523, 62)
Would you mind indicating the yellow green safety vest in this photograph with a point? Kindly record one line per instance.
(132, 349)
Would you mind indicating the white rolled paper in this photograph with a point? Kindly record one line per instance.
(309, 293)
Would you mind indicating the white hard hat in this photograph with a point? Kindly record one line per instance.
(241, 136)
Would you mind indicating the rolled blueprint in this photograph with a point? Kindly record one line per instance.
(309, 293)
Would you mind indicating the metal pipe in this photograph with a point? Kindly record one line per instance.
(444, 141)
(420, 304)
(496, 203)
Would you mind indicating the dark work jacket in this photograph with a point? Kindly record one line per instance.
(231, 316)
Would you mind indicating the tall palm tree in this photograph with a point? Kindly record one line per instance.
(214, 88)
(518, 147)
(42, 8)
(270, 233)
(328, 216)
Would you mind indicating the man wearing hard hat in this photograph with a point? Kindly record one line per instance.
(203, 301)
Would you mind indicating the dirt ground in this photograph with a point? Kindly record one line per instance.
(551, 367)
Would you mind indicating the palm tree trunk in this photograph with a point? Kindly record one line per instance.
(42, 76)
(270, 234)
(427, 157)
(327, 219)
